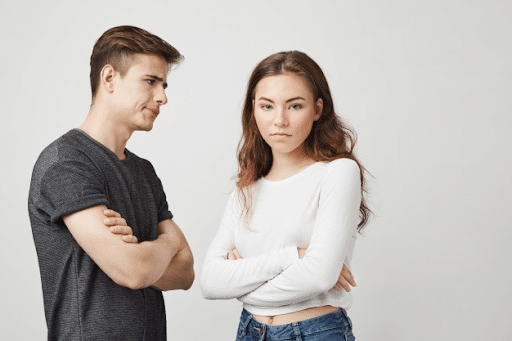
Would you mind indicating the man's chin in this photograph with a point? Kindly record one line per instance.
(146, 127)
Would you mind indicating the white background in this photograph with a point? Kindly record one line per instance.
(427, 85)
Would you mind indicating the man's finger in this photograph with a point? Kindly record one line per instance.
(111, 213)
(130, 238)
(121, 229)
(114, 221)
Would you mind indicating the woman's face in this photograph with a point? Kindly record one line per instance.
(284, 109)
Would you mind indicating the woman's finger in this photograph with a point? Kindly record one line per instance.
(345, 272)
(231, 256)
(237, 254)
(344, 283)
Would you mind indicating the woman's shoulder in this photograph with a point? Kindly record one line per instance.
(342, 169)
(345, 165)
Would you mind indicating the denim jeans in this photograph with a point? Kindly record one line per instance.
(334, 326)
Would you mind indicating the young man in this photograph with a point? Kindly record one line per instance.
(105, 239)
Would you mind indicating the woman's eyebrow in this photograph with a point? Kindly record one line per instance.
(294, 99)
(265, 99)
(290, 100)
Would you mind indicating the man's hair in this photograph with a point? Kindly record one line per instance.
(117, 46)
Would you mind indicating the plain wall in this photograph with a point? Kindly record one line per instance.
(427, 85)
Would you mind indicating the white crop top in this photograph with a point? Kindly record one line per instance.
(317, 209)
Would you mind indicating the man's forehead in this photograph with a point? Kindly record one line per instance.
(150, 64)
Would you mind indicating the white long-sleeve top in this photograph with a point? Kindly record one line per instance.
(317, 209)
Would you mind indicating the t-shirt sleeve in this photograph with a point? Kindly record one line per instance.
(158, 193)
(70, 186)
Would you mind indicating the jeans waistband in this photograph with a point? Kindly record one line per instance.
(249, 325)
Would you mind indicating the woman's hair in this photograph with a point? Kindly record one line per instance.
(117, 46)
(330, 138)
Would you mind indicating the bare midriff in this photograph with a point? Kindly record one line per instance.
(302, 315)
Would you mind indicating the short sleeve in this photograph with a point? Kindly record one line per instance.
(158, 191)
(70, 186)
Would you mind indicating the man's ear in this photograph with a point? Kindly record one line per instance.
(108, 78)
(319, 107)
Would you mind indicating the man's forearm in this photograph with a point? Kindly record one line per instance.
(153, 259)
(179, 273)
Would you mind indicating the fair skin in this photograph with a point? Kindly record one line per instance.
(285, 110)
(122, 105)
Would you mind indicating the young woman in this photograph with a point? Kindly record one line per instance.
(290, 225)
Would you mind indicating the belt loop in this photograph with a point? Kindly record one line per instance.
(296, 330)
(346, 317)
(243, 330)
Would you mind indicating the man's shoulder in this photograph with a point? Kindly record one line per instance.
(68, 152)
(65, 147)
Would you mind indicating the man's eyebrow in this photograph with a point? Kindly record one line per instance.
(157, 79)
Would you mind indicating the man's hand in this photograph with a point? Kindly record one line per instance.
(118, 225)
(345, 278)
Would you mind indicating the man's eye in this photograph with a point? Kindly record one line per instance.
(150, 81)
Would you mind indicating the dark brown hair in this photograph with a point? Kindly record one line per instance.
(328, 140)
(118, 44)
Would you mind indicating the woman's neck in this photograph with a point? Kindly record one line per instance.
(286, 165)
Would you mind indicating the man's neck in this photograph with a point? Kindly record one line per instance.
(100, 126)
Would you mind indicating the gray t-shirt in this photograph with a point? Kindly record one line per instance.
(81, 302)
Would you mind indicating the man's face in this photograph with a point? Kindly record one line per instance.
(141, 91)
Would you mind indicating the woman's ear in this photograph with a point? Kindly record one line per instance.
(319, 107)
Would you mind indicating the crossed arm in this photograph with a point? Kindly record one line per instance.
(345, 280)
(299, 279)
(165, 263)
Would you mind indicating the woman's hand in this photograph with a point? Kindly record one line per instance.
(345, 280)
(118, 225)
(233, 255)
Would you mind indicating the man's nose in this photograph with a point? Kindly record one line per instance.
(161, 97)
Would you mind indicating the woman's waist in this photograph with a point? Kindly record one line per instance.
(295, 316)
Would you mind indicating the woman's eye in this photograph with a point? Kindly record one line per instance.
(266, 107)
(296, 106)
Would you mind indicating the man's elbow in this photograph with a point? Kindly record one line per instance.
(189, 280)
(188, 270)
(129, 281)
(137, 273)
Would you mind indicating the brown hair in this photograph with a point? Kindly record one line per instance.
(328, 140)
(118, 44)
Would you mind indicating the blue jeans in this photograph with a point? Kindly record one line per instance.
(334, 326)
